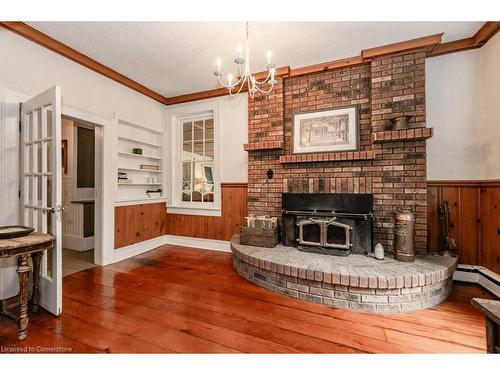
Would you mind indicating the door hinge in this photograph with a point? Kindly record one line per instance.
(19, 191)
(20, 124)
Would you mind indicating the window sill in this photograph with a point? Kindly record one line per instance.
(198, 211)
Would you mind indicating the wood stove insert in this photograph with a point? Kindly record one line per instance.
(335, 224)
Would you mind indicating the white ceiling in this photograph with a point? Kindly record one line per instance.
(174, 58)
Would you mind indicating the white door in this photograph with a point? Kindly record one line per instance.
(41, 191)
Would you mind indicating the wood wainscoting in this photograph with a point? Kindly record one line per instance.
(234, 210)
(137, 223)
(475, 219)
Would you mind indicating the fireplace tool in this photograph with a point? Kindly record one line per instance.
(448, 244)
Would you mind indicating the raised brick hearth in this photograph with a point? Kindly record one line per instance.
(389, 164)
(356, 282)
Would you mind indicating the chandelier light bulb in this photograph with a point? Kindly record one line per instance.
(272, 81)
(244, 77)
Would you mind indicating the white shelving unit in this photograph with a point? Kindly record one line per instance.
(131, 155)
(139, 170)
(132, 134)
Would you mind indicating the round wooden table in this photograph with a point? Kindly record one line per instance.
(32, 245)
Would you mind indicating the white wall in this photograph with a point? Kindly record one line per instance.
(462, 97)
(452, 84)
(490, 108)
(233, 160)
(31, 67)
(27, 69)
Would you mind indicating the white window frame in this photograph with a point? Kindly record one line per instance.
(176, 117)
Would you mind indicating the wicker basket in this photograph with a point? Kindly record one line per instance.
(259, 237)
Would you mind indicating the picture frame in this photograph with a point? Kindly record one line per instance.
(331, 130)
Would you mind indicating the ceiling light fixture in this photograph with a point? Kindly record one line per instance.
(245, 76)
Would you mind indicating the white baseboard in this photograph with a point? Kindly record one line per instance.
(478, 275)
(78, 243)
(142, 247)
(138, 248)
(201, 243)
(88, 243)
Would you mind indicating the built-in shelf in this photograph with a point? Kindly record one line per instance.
(139, 125)
(138, 184)
(133, 134)
(132, 201)
(129, 154)
(140, 142)
(140, 170)
(414, 134)
(328, 156)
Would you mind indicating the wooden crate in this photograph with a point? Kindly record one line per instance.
(259, 237)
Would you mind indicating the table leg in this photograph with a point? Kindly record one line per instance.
(35, 299)
(491, 335)
(23, 271)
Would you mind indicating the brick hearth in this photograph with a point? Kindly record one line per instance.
(389, 164)
(356, 282)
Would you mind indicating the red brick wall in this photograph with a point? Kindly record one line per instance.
(265, 113)
(386, 87)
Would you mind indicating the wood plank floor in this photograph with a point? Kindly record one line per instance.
(183, 300)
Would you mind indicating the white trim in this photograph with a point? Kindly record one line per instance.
(84, 117)
(104, 236)
(198, 211)
(202, 243)
(148, 245)
(174, 116)
(466, 277)
(78, 243)
(137, 248)
(488, 285)
(134, 201)
(477, 277)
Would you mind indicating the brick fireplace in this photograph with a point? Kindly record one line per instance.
(389, 164)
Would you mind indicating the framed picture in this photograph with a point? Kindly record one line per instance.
(326, 131)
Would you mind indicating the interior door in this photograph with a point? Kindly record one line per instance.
(41, 185)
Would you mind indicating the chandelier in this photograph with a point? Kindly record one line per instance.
(245, 77)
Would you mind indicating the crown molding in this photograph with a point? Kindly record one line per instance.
(283, 71)
(54, 45)
(479, 39)
(432, 44)
(427, 42)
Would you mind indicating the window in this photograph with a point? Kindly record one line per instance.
(197, 160)
(193, 132)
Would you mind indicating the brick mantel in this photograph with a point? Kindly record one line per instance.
(391, 165)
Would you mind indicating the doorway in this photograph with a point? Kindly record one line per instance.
(81, 189)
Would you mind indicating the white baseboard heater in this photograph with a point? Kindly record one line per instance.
(479, 275)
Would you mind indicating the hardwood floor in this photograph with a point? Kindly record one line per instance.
(182, 300)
